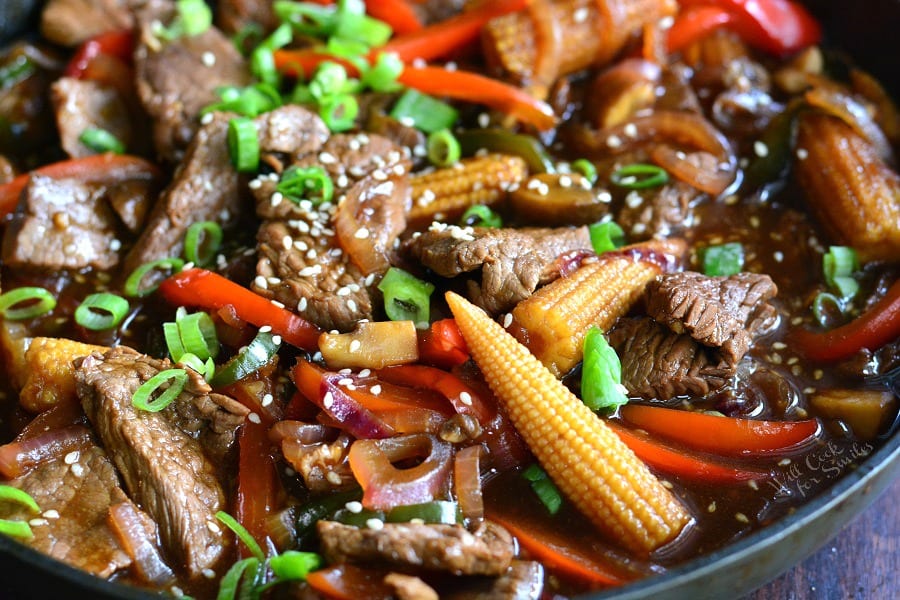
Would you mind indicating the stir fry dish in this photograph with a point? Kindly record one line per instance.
(420, 299)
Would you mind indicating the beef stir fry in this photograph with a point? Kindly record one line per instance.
(419, 299)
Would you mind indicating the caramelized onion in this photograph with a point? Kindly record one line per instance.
(304, 433)
(348, 413)
(622, 90)
(385, 485)
(139, 543)
(467, 482)
(548, 45)
(19, 458)
(853, 113)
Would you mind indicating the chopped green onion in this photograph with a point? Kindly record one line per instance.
(193, 18)
(827, 306)
(306, 18)
(132, 287)
(18, 69)
(206, 369)
(249, 101)
(443, 148)
(422, 111)
(723, 260)
(101, 311)
(586, 168)
(19, 529)
(228, 585)
(174, 344)
(198, 335)
(143, 396)
(349, 49)
(330, 80)
(339, 112)
(293, 565)
(9, 493)
(601, 373)
(100, 140)
(363, 28)
(382, 76)
(247, 361)
(436, 511)
(202, 241)
(543, 486)
(241, 532)
(479, 215)
(262, 59)
(838, 265)
(306, 183)
(36, 301)
(640, 176)
(243, 144)
(248, 37)
(406, 298)
(606, 236)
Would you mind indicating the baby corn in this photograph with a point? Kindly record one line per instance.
(447, 193)
(593, 468)
(555, 319)
(855, 195)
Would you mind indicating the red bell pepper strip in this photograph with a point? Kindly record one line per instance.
(304, 62)
(348, 582)
(97, 168)
(678, 463)
(257, 482)
(465, 399)
(396, 13)
(873, 329)
(442, 345)
(720, 435)
(210, 291)
(118, 44)
(444, 38)
(556, 555)
(696, 23)
(776, 26)
(472, 87)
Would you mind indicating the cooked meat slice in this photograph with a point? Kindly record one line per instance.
(451, 548)
(524, 580)
(660, 364)
(82, 104)
(291, 129)
(176, 79)
(513, 262)
(131, 201)
(80, 491)
(62, 224)
(349, 158)
(234, 15)
(164, 468)
(70, 22)
(323, 466)
(722, 312)
(410, 587)
(204, 188)
(658, 213)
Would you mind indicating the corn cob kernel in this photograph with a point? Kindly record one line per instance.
(555, 319)
(591, 35)
(855, 195)
(593, 468)
(447, 193)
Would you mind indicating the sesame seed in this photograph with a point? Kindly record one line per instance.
(604, 196)
(784, 462)
(209, 59)
(361, 233)
(208, 573)
(466, 398)
(265, 329)
(507, 320)
(778, 256)
(375, 389)
(277, 303)
(712, 507)
(376, 524)
(741, 517)
(72, 457)
(267, 399)
(213, 526)
(327, 158)
(614, 141)
(753, 485)
(254, 418)
(355, 345)
(802, 153)
(333, 478)
(51, 514)
(287, 241)
(354, 506)
(580, 15)
(760, 149)
(115, 245)
(351, 304)
(301, 305)
(344, 371)
(484, 120)
(37, 522)
(327, 400)
(631, 130)
(206, 119)
(77, 470)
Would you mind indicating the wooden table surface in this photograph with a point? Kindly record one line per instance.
(861, 563)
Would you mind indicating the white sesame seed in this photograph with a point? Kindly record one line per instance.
(51, 514)
(354, 506)
(778, 256)
(484, 120)
(580, 15)
(209, 59)
(267, 399)
(466, 398)
(741, 517)
(72, 457)
(213, 526)
(301, 304)
(206, 119)
(361, 233)
(37, 522)
(376, 524)
(77, 470)
(802, 153)
(760, 149)
(351, 304)
(333, 478)
(630, 130)
(614, 141)
(208, 573)
(327, 400)
(277, 303)
(287, 241)
(355, 345)
(375, 389)
(507, 320)
(276, 339)
(365, 373)
(327, 158)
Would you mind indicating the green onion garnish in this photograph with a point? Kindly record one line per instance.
(293, 565)
(362, 28)
(101, 311)
(723, 260)
(406, 297)
(606, 236)
(19, 529)
(202, 241)
(339, 112)
(193, 18)
(838, 266)
(100, 140)
(306, 183)
(143, 397)
(243, 144)
(827, 306)
(479, 215)
(305, 17)
(586, 168)
(640, 176)
(132, 287)
(543, 486)
(601, 373)
(262, 59)
(18, 69)
(9, 493)
(173, 341)
(330, 80)
(249, 36)
(241, 532)
(35, 301)
(422, 111)
(382, 76)
(250, 101)
(228, 585)
(443, 148)
(198, 334)
(248, 360)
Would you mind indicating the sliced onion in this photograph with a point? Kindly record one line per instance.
(348, 413)
(853, 113)
(304, 433)
(384, 485)
(467, 482)
(19, 458)
(138, 543)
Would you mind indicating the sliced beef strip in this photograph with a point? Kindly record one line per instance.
(62, 224)
(659, 213)
(81, 494)
(513, 262)
(658, 364)
(131, 200)
(204, 188)
(83, 104)
(524, 580)
(164, 469)
(726, 313)
(234, 15)
(176, 79)
(71, 22)
(450, 548)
